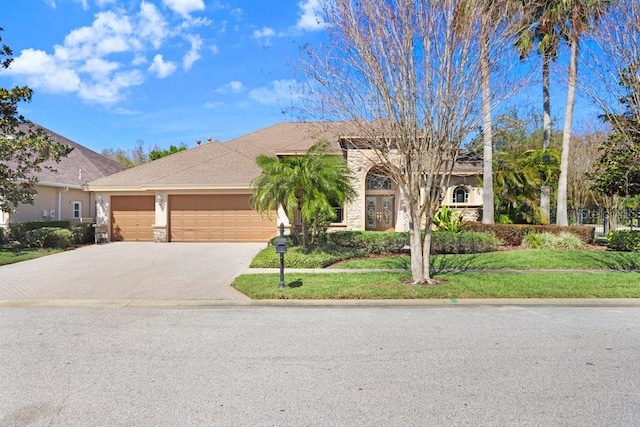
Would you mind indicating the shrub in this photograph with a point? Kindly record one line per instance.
(512, 234)
(83, 233)
(18, 230)
(3, 235)
(546, 240)
(372, 242)
(447, 219)
(624, 240)
(49, 237)
(447, 242)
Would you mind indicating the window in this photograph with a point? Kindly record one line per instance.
(378, 181)
(460, 195)
(77, 209)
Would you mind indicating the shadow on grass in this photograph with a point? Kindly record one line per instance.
(295, 284)
(440, 264)
(617, 261)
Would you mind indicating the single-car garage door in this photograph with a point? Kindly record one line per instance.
(217, 218)
(132, 218)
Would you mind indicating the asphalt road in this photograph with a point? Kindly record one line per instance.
(303, 366)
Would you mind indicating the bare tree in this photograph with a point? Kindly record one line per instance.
(405, 74)
(615, 51)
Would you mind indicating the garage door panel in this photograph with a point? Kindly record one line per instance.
(132, 218)
(217, 218)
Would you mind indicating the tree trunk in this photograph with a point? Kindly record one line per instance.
(488, 216)
(415, 243)
(561, 209)
(545, 191)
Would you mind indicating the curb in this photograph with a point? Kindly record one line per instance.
(417, 303)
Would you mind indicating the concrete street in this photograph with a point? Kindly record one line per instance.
(318, 366)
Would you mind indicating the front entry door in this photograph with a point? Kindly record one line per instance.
(380, 211)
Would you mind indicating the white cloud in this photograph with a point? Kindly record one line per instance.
(233, 86)
(279, 92)
(194, 53)
(161, 68)
(100, 61)
(310, 16)
(214, 49)
(43, 71)
(184, 7)
(110, 91)
(139, 60)
(153, 27)
(237, 14)
(265, 32)
(193, 23)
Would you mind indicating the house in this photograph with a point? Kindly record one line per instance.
(202, 194)
(61, 194)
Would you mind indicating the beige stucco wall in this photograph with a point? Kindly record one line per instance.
(59, 201)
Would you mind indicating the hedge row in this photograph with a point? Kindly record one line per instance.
(624, 240)
(49, 234)
(512, 234)
(442, 242)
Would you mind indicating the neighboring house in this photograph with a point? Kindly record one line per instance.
(202, 194)
(61, 194)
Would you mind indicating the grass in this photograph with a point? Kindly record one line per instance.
(10, 254)
(456, 279)
(523, 259)
(297, 257)
(455, 285)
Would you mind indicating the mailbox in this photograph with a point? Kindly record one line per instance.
(281, 245)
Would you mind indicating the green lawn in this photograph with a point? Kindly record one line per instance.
(522, 259)
(460, 279)
(10, 255)
(454, 285)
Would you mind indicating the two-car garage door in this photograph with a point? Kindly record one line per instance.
(217, 218)
(192, 218)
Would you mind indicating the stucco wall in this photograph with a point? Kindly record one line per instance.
(57, 200)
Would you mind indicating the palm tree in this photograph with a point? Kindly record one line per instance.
(312, 184)
(544, 31)
(581, 14)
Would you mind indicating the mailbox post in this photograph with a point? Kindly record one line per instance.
(281, 248)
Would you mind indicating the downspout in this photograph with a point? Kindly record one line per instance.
(64, 190)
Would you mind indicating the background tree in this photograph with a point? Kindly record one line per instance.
(25, 149)
(139, 155)
(405, 75)
(542, 30)
(312, 184)
(581, 15)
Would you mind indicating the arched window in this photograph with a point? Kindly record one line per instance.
(460, 195)
(378, 181)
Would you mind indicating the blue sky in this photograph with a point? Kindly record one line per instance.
(107, 73)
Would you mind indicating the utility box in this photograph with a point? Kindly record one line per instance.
(281, 245)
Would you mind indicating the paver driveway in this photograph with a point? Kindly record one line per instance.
(139, 271)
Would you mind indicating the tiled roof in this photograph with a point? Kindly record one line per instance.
(226, 165)
(79, 167)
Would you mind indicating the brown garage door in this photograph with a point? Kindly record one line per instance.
(132, 218)
(217, 218)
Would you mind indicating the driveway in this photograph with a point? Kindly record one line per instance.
(138, 271)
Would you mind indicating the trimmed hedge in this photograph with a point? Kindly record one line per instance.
(49, 237)
(372, 242)
(18, 230)
(83, 233)
(447, 242)
(442, 242)
(512, 234)
(624, 240)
